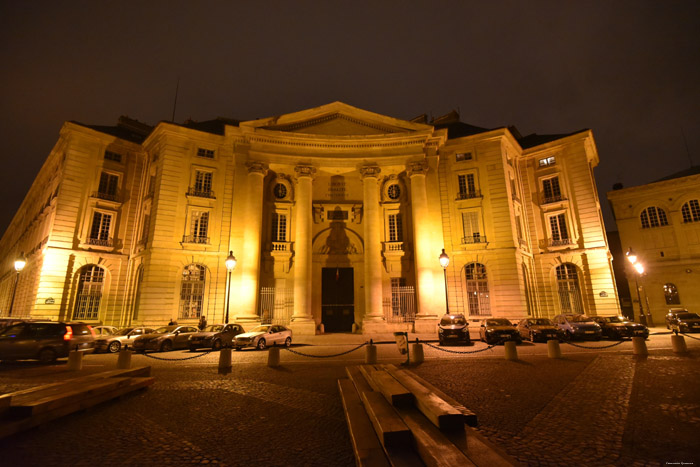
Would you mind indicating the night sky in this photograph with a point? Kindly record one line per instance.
(629, 70)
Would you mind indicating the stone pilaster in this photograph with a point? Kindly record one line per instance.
(302, 319)
(244, 303)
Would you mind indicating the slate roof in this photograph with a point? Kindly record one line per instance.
(693, 170)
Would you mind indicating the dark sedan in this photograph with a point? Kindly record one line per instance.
(618, 327)
(686, 322)
(538, 329)
(215, 336)
(453, 328)
(166, 338)
(497, 330)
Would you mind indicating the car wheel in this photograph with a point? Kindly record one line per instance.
(193, 348)
(47, 355)
(166, 346)
(236, 348)
(216, 345)
(288, 342)
(261, 344)
(114, 347)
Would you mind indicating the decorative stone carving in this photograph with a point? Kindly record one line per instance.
(417, 168)
(370, 171)
(304, 171)
(319, 214)
(357, 214)
(257, 167)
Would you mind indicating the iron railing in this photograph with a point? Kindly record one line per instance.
(195, 239)
(100, 241)
(474, 239)
(470, 194)
(106, 196)
(200, 193)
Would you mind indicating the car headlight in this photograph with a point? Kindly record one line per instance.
(465, 330)
(440, 330)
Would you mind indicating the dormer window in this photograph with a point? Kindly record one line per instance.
(653, 217)
(547, 161)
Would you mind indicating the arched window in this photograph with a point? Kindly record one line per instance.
(691, 211)
(477, 290)
(192, 291)
(671, 294)
(568, 289)
(87, 301)
(653, 217)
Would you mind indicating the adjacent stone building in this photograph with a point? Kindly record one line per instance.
(337, 217)
(660, 221)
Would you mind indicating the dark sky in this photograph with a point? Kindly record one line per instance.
(629, 70)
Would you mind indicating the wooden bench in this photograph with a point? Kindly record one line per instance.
(28, 408)
(378, 413)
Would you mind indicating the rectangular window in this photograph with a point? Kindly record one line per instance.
(558, 230)
(202, 183)
(395, 228)
(109, 185)
(144, 228)
(551, 190)
(100, 229)
(200, 226)
(466, 186)
(547, 161)
(279, 227)
(463, 156)
(208, 153)
(471, 228)
(113, 156)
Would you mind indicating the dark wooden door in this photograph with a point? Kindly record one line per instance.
(338, 299)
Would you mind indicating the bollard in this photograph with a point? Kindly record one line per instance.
(511, 350)
(273, 357)
(678, 344)
(553, 349)
(124, 360)
(417, 352)
(640, 346)
(75, 360)
(225, 360)
(371, 353)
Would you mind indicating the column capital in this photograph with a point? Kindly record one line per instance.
(305, 171)
(417, 168)
(257, 167)
(370, 171)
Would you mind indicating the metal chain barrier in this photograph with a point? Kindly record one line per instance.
(660, 333)
(596, 347)
(490, 346)
(686, 335)
(324, 356)
(149, 355)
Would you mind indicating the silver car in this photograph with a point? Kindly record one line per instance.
(264, 336)
(122, 337)
(165, 338)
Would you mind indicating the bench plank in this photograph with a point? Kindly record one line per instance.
(358, 379)
(383, 382)
(390, 429)
(480, 450)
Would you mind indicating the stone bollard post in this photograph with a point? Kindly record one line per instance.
(553, 349)
(511, 350)
(640, 346)
(370, 353)
(273, 357)
(225, 360)
(417, 355)
(75, 360)
(678, 344)
(124, 360)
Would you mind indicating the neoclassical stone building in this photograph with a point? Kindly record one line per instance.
(336, 216)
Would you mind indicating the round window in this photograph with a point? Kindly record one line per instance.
(280, 191)
(394, 191)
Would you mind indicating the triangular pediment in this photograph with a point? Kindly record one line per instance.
(336, 119)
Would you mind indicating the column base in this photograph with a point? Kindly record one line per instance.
(374, 326)
(302, 327)
(426, 325)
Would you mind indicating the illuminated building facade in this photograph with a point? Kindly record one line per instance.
(660, 221)
(336, 216)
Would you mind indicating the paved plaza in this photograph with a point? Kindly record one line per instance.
(592, 407)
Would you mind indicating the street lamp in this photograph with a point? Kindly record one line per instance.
(20, 262)
(230, 265)
(632, 257)
(444, 262)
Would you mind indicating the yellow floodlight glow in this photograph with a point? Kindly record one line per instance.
(20, 262)
(639, 268)
(444, 259)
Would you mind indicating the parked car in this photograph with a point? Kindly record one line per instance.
(617, 327)
(453, 328)
(122, 337)
(215, 336)
(5, 322)
(538, 329)
(671, 315)
(578, 326)
(104, 330)
(686, 322)
(165, 338)
(496, 330)
(44, 340)
(263, 336)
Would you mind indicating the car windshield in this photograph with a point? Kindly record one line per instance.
(582, 319)
(540, 322)
(267, 328)
(498, 322)
(688, 316)
(214, 328)
(616, 319)
(165, 329)
(123, 331)
(448, 320)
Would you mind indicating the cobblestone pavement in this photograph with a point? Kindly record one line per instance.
(588, 408)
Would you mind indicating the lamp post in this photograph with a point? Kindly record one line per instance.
(444, 262)
(230, 265)
(20, 262)
(632, 258)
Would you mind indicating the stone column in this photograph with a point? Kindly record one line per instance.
(424, 252)
(374, 317)
(302, 320)
(244, 303)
